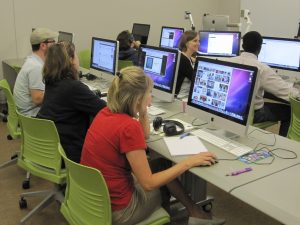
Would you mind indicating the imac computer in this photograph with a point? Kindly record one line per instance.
(170, 37)
(219, 43)
(65, 36)
(161, 64)
(215, 22)
(104, 58)
(140, 32)
(282, 54)
(222, 94)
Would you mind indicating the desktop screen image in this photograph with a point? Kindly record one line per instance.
(65, 36)
(280, 53)
(224, 89)
(104, 55)
(219, 44)
(170, 37)
(140, 32)
(161, 64)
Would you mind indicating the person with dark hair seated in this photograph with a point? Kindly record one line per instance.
(128, 47)
(270, 82)
(67, 101)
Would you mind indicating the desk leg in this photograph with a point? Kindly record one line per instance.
(197, 187)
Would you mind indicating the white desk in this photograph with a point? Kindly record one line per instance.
(277, 195)
(216, 174)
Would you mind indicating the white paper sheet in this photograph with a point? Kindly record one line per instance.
(189, 145)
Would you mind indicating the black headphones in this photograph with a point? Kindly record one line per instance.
(169, 126)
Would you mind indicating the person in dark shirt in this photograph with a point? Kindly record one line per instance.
(188, 46)
(67, 101)
(128, 47)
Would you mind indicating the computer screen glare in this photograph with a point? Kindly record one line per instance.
(219, 44)
(223, 92)
(104, 55)
(161, 64)
(280, 53)
(170, 37)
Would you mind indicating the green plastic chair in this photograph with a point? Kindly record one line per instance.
(264, 125)
(124, 63)
(87, 198)
(294, 129)
(40, 156)
(12, 120)
(85, 58)
(261, 125)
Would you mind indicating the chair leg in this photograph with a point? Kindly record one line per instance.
(8, 163)
(51, 195)
(38, 208)
(26, 182)
(35, 193)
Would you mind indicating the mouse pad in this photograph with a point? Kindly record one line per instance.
(255, 156)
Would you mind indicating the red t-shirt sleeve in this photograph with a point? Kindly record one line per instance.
(132, 137)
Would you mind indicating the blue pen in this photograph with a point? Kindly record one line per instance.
(184, 135)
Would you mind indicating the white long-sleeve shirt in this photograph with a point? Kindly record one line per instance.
(268, 80)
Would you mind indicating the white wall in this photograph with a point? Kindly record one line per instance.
(231, 8)
(7, 34)
(103, 18)
(97, 18)
(274, 18)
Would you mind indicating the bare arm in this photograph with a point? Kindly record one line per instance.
(37, 96)
(141, 169)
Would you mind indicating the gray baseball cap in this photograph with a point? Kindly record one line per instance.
(40, 35)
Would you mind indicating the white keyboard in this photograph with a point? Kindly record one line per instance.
(228, 145)
(155, 111)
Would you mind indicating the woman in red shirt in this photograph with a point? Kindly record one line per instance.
(115, 144)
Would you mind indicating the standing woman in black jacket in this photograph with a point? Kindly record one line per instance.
(67, 101)
(188, 46)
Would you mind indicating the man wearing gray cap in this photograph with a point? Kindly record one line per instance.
(29, 87)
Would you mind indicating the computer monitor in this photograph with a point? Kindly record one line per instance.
(65, 36)
(140, 32)
(161, 64)
(222, 94)
(104, 58)
(280, 53)
(215, 22)
(170, 37)
(219, 43)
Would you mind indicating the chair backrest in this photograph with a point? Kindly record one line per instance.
(124, 63)
(39, 149)
(85, 58)
(12, 118)
(294, 129)
(87, 199)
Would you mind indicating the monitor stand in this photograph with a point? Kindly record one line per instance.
(221, 132)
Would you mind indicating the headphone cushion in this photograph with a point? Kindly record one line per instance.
(157, 123)
(170, 129)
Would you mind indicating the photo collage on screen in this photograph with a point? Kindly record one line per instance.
(211, 87)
